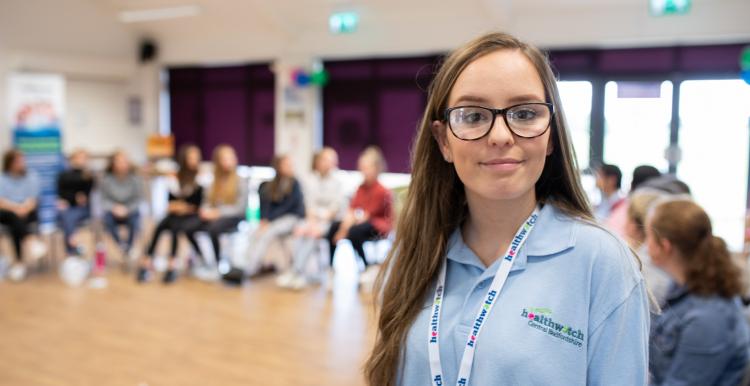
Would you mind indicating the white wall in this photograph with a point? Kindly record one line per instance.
(96, 118)
(97, 93)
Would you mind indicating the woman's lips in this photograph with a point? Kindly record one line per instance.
(501, 164)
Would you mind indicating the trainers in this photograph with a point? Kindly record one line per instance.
(285, 279)
(143, 275)
(169, 277)
(298, 282)
(206, 274)
(37, 249)
(17, 272)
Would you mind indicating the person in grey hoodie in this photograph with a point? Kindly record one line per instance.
(121, 194)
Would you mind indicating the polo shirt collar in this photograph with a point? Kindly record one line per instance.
(553, 233)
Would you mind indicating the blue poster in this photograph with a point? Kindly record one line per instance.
(36, 111)
(43, 150)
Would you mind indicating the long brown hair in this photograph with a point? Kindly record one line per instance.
(185, 174)
(226, 183)
(280, 185)
(709, 269)
(435, 203)
(111, 161)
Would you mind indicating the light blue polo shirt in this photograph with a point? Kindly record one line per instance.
(19, 189)
(574, 311)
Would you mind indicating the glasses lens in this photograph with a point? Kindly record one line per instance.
(470, 122)
(529, 120)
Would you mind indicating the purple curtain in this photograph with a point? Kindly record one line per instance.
(689, 61)
(375, 102)
(224, 105)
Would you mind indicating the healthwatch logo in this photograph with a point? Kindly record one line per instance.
(541, 319)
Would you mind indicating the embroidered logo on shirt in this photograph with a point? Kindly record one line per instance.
(541, 319)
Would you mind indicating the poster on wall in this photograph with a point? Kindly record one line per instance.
(36, 103)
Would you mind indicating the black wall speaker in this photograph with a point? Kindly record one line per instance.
(147, 51)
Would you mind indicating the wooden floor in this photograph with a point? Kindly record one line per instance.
(189, 333)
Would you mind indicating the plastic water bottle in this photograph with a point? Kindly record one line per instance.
(100, 259)
(253, 209)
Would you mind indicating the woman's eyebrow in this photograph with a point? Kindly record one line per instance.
(525, 98)
(511, 101)
(472, 99)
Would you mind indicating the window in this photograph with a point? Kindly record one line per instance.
(637, 119)
(714, 141)
(576, 101)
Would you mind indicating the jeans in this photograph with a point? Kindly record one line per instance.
(70, 219)
(132, 222)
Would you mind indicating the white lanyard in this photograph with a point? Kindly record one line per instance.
(467, 359)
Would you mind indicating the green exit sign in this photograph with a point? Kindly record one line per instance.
(343, 22)
(669, 7)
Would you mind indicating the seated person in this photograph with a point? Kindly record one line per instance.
(185, 198)
(121, 191)
(226, 203)
(19, 192)
(370, 214)
(281, 208)
(639, 204)
(324, 200)
(73, 205)
(701, 337)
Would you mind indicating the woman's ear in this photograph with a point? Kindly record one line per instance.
(439, 133)
(666, 246)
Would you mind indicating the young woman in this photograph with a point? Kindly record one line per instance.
(324, 200)
(701, 337)
(498, 275)
(73, 205)
(121, 190)
(185, 199)
(282, 206)
(639, 203)
(19, 193)
(226, 202)
(370, 214)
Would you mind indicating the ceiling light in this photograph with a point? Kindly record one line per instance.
(154, 14)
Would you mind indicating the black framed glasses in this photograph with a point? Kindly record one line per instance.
(526, 120)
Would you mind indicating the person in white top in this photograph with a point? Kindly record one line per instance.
(324, 201)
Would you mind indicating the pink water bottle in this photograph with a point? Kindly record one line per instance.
(100, 259)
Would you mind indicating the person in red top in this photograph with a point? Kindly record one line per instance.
(370, 214)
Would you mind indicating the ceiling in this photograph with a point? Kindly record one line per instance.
(227, 31)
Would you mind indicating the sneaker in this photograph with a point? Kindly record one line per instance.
(206, 274)
(134, 253)
(143, 275)
(285, 279)
(169, 277)
(17, 272)
(37, 249)
(298, 282)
